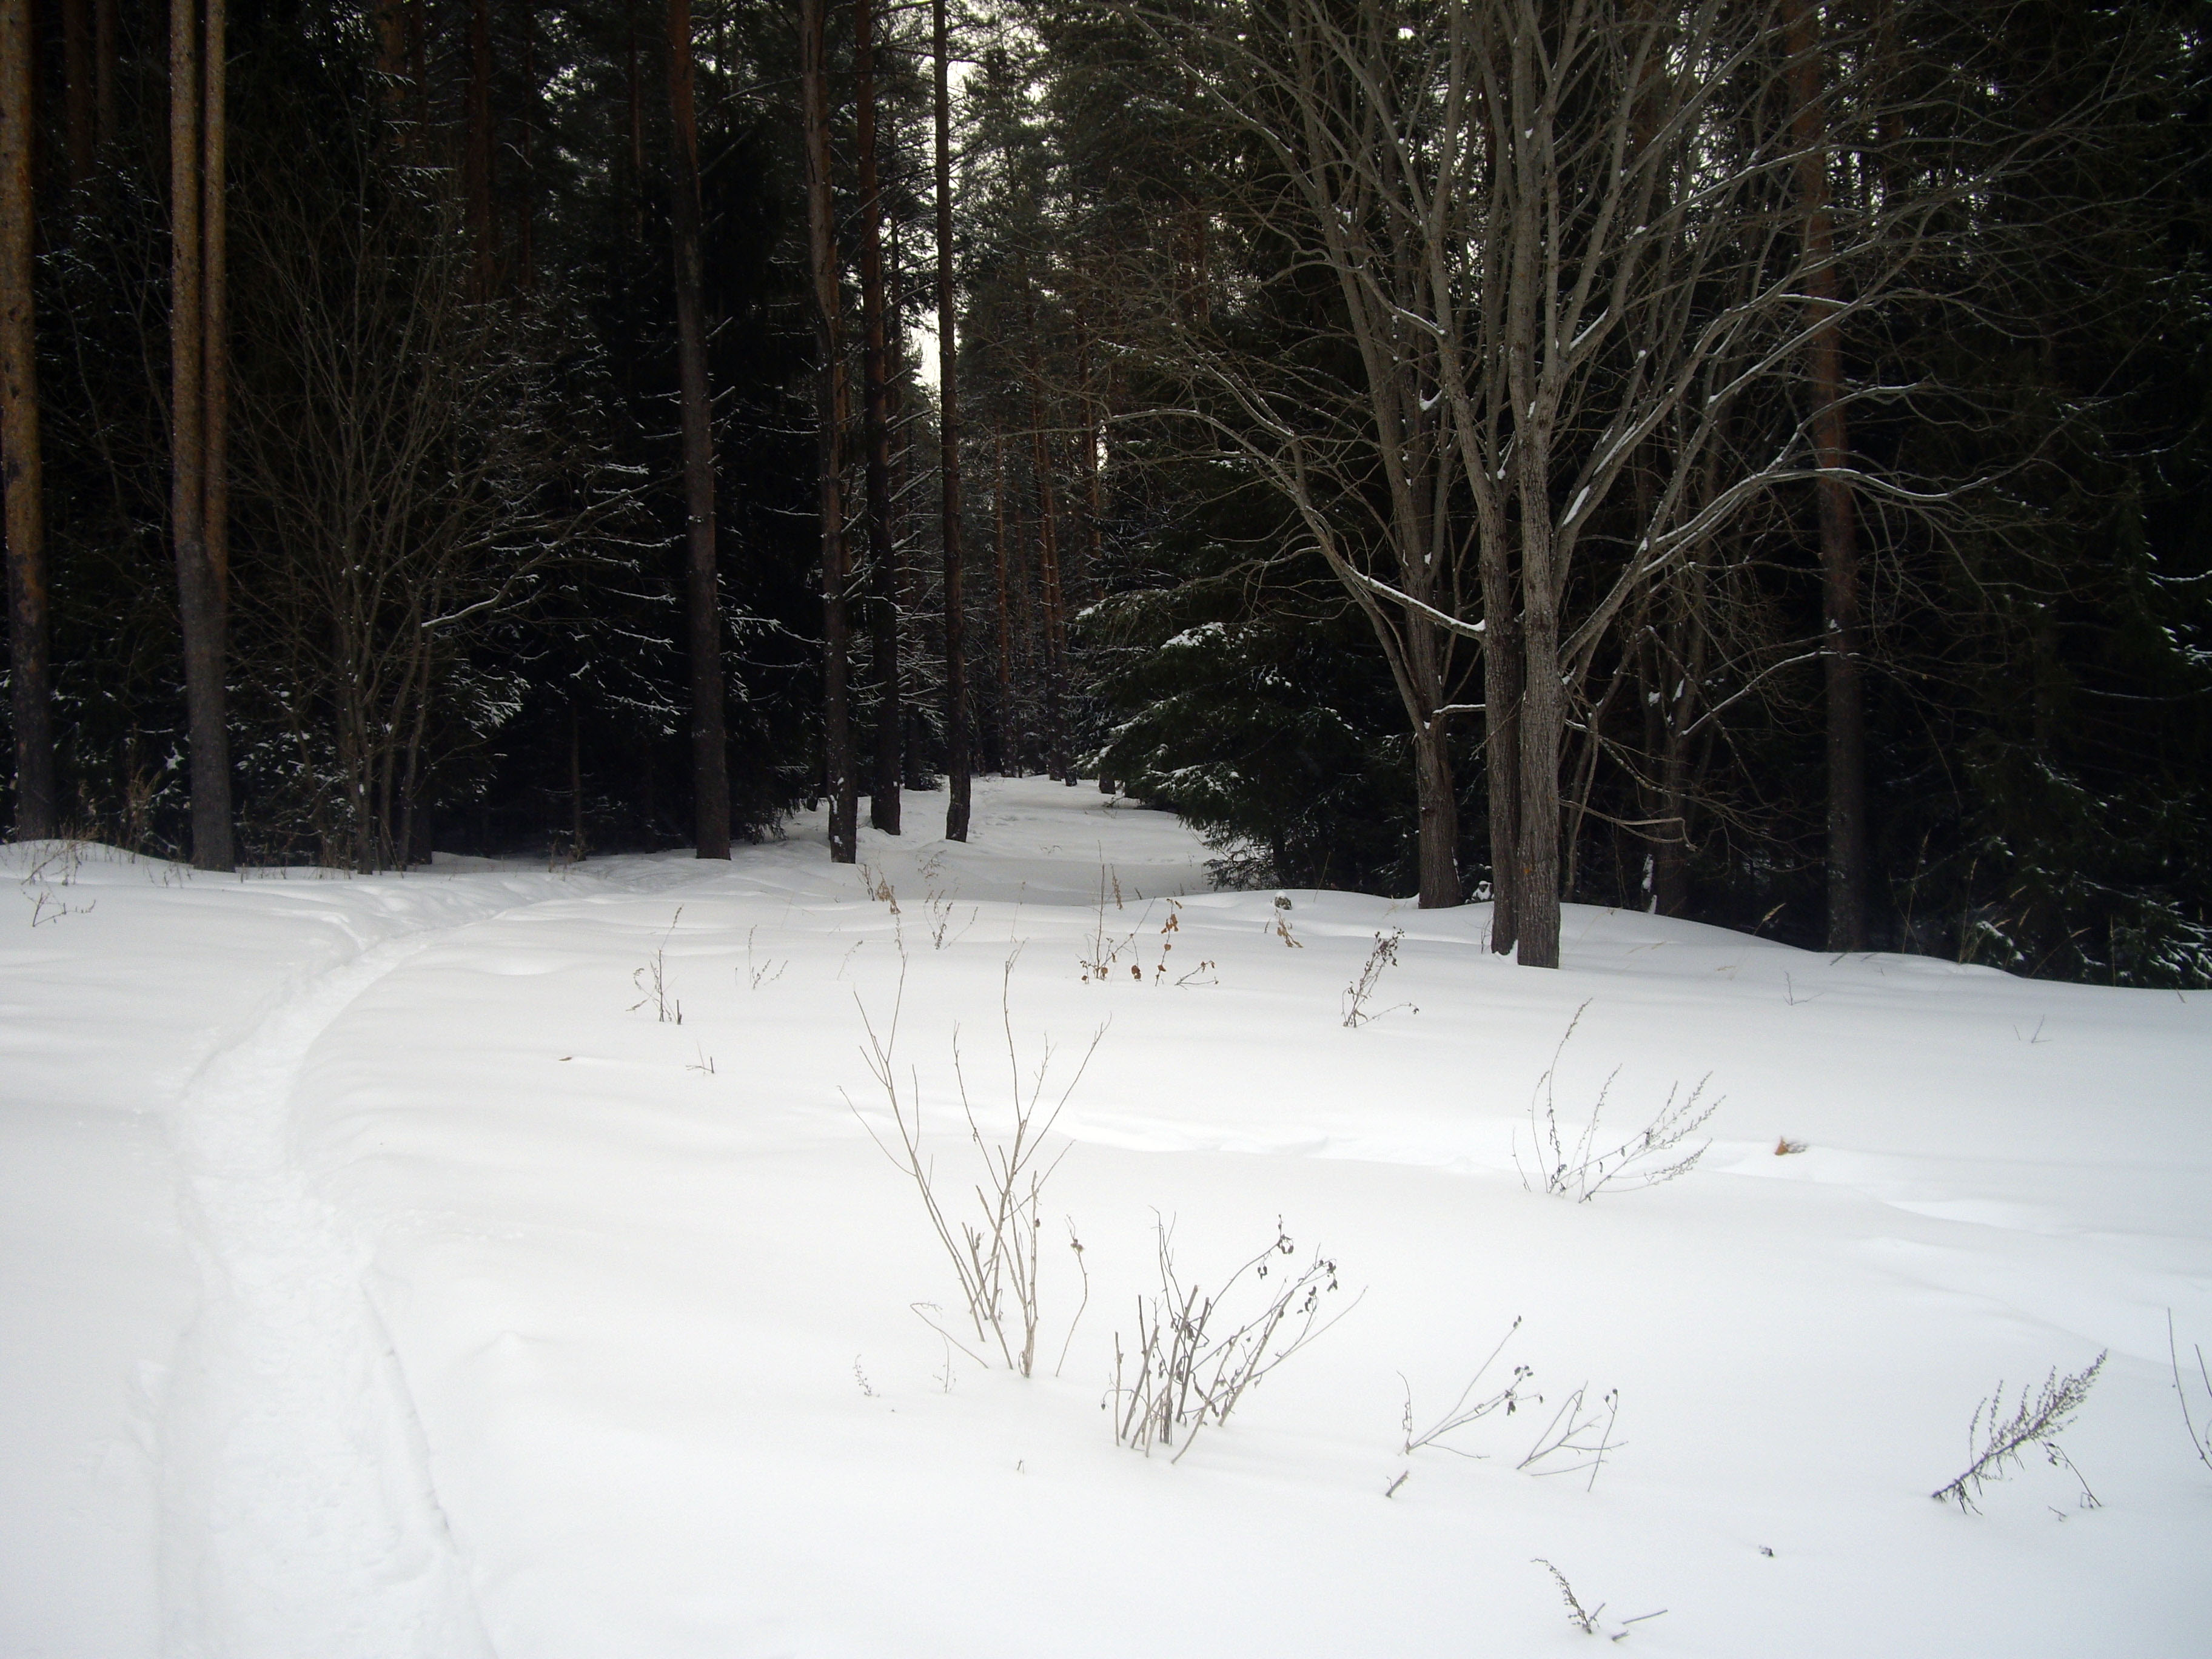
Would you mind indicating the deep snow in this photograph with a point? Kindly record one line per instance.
(379, 1276)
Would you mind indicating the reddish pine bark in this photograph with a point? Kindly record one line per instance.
(21, 473)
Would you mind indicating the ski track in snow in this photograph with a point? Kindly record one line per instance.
(298, 1515)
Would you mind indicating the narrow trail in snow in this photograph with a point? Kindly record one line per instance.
(298, 1517)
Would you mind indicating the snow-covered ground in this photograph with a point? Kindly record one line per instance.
(382, 1275)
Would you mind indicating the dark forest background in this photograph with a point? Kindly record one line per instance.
(455, 586)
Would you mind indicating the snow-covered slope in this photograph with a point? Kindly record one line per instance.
(382, 1275)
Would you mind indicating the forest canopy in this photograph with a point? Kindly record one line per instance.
(1745, 459)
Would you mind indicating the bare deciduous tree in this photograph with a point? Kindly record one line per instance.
(1551, 249)
(410, 473)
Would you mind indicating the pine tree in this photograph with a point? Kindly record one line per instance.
(21, 473)
(709, 742)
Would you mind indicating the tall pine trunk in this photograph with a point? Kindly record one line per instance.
(215, 310)
(418, 71)
(388, 19)
(821, 259)
(77, 101)
(196, 100)
(21, 475)
(476, 139)
(104, 45)
(635, 99)
(525, 210)
(958, 760)
(710, 763)
(1009, 762)
(1089, 578)
(1054, 642)
(883, 555)
(1841, 642)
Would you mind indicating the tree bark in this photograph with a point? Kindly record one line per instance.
(1026, 664)
(1435, 797)
(525, 211)
(1841, 642)
(1438, 805)
(77, 88)
(1529, 316)
(1088, 578)
(1670, 885)
(103, 73)
(388, 18)
(710, 764)
(31, 704)
(883, 556)
(959, 761)
(1536, 876)
(1056, 761)
(196, 370)
(1009, 764)
(575, 782)
(419, 66)
(215, 303)
(1542, 723)
(476, 160)
(636, 101)
(1501, 698)
(822, 255)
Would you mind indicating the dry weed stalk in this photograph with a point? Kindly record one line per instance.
(1585, 1619)
(1190, 1371)
(652, 979)
(1998, 1440)
(1578, 1437)
(1105, 948)
(996, 1253)
(1467, 1409)
(757, 974)
(1580, 1170)
(1358, 994)
(1568, 1436)
(55, 867)
(939, 902)
(2200, 1441)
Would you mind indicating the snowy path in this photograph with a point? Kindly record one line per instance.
(299, 1513)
